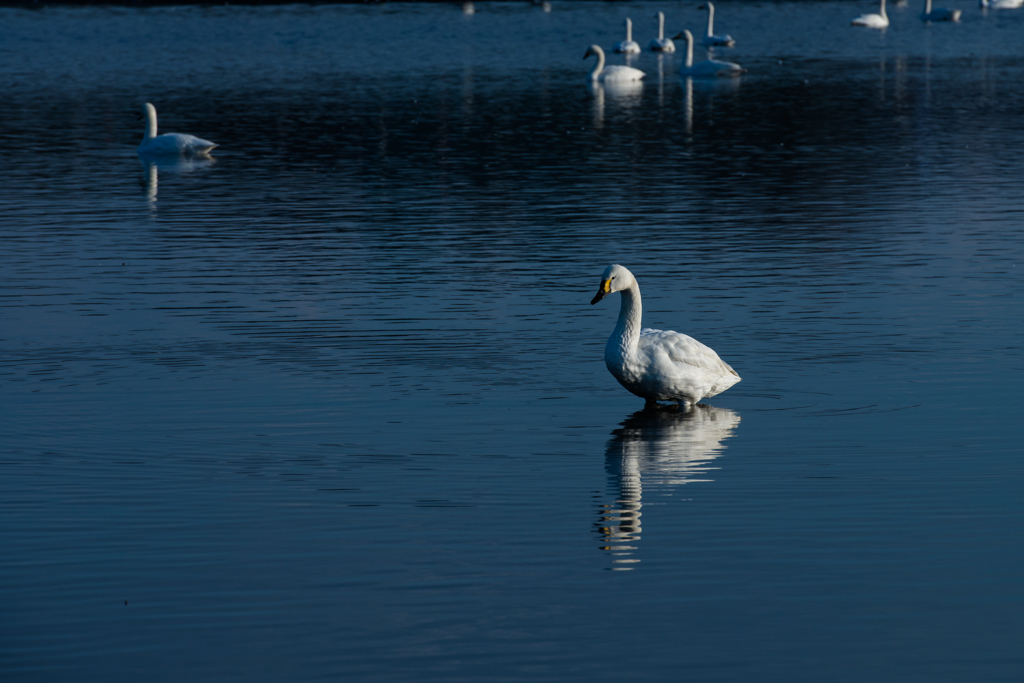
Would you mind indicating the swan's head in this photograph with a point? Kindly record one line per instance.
(685, 33)
(615, 279)
(593, 50)
(148, 111)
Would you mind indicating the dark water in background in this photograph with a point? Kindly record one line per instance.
(333, 407)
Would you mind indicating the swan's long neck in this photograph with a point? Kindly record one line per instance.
(150, 122)
(927, 6)
(661, 26)
(627, 330)
(600, 64)
(689, 49)
(883, 10)
(711, 19)
(629, 30)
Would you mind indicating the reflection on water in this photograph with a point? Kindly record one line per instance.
(668, 446)
(152, 165)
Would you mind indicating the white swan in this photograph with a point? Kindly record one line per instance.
(940, 14)
(1001, 4)
(169, 143)
(880, 20)
(708, 68)
(658, 365)
(661, 43)
(628, 46)
(610, 74)
(711, 40)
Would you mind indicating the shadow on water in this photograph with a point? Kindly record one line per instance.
(668, 446)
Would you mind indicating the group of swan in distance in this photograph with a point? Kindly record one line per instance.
(880, 20)
(657, 365)
(661, 43)
(181, 144)
(628, 46)
(1001, 4)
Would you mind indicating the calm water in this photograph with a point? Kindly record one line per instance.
(332, 406)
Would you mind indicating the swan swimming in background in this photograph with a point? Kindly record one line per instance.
(711, 40)
(1001, 4)
(658, 365)
(610, 74)
(628, 46)
(169, 143)
(940, 14)
(880, 20)
(710, 67)
(661, 43)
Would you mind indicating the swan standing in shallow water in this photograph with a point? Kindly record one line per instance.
(628, 46)
(880, 20)
(661, 43)
(710, 67)
(940, 14)
(610, 74)
(169, 143)
(658, 365)
(711, 40)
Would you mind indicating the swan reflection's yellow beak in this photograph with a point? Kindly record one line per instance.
(602, 291)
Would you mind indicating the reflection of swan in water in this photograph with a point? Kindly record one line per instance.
(665, 447)
(169, 143)
(152, 165)
(625, 94)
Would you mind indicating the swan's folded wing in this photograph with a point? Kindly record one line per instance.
(682, 348)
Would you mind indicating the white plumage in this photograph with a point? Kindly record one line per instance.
(628, 46)
(880, 20)
(711, 40)
(658, 365)
(169, 143)
(610, 74)
(708, 68)
(1001, 4)
(661, 43)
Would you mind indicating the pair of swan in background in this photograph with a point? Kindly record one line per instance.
(658, 365)
(880, 20)
(659, 44)
(180, 144)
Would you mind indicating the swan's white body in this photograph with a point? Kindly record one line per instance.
(1002, 4)
(628, 46)
(169, 143)
(880, 20)
(711, 40)
(940, 14)
(661, 43)
(658, 365)
(610, 74)
(706, 69)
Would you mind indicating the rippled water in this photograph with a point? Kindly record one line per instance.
(332, 405)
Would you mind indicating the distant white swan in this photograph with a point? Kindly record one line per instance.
(169, 143)
(468, 9)
(628, 46)
(711, 40)
(880, 20)
(661, 43)
(709, 68)
(657, 365)
(940, 14)
(1002, 4)
(610, 74)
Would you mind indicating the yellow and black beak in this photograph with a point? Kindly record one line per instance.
(603, 291)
